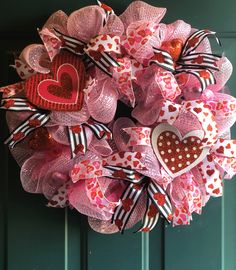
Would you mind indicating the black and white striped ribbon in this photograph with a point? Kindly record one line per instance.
(166, 209)
(132, 193)
(79, 47)
(149, 221)
(100, 130)
(121, 216)
(17, 104)
(207, 61)
(167, 63)
(78, 141)
(199, 36)
(126, 174)
(71, 44)
(191, 62)
(78, 138)
(107, 11)
(205, 82)
(26, 128)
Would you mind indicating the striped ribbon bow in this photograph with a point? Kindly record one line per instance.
(158, 202)
(78, 138)
(77, 135)
(95, 52)
(197, 64)
(38, 119)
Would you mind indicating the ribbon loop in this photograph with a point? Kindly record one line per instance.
(78, 138)
(197, 64)
(97, 50)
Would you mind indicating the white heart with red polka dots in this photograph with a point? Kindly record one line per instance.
(176, 153)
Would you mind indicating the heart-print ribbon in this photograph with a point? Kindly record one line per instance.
(12, 89)
(197, 64)
(123, 166)
(97, 49)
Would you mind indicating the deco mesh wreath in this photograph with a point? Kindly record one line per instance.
(166, 161)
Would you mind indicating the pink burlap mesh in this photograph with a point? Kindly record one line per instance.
(107, 227)
(102, 101)
(36, 56)
(69, 118)
(57, 173)
(139, 10)
(114, 26)
(178, 29)
(223, 75)
(59, 134)
(120, 137)
(57, 20)
(100, 147)
(102, 226)
(147, 114)
(86, 23)
(187, 122)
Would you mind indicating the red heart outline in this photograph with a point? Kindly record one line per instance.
(43, 92)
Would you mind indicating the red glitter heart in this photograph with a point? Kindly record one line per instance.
(177, 154)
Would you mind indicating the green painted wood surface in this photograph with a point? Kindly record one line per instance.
(33, 237)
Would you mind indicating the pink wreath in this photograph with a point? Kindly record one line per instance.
(170, 153)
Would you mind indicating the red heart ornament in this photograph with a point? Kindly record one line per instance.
(173, 47)
(176, 153)
(62, 89)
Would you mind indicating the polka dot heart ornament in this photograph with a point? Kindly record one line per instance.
(178, 154)
(167, 155)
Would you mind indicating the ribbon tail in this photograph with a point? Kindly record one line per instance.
(162, 59)
(128, 202)
(71, 44)
(161, 200)
(78, 140)
(107, 11)
(33, 122)
(151, 217)
(204, 76)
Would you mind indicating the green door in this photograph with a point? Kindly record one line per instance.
(33, 237)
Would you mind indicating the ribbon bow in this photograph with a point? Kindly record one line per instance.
(126, 166)
(198, 64)
(97, 49)
(76, 134)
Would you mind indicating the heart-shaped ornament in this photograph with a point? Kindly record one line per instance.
(62, 89)
(176, 153)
